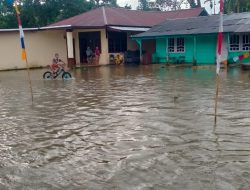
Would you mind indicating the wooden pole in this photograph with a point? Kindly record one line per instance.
(30, 84)
(216, 97)
(219, 50)
(167, 51)
(24, 55)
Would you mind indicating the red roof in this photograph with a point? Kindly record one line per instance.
(107, 16)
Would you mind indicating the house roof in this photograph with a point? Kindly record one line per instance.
(234, 23)
(107, 16)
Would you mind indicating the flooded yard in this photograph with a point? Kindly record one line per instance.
(125, 128)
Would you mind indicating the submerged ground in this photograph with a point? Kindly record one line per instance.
(125, 128)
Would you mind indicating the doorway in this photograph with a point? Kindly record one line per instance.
(88, 39)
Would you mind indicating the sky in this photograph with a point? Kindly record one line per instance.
(134, 4)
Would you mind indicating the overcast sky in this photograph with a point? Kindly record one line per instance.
(134, 4)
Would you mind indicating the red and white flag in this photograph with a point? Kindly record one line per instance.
(220, 38)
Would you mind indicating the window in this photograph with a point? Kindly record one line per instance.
(180, 44)
(234, 42)
(117, 42)
(240, 42)
(176, 45)
(171, 45)
(246, 42)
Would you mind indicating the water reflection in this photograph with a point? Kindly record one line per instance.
(143, 127)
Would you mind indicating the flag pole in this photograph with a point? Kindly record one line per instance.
(216, 97)
(24, 55)
(30, 83)
(219, 50)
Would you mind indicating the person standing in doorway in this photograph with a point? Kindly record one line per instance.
(89, 55)
(97, 55)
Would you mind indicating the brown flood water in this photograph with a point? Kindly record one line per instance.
(121, 128)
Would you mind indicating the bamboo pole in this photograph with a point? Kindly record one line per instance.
(24, 55)
(30, 83)
(219, 50)
(216, 97)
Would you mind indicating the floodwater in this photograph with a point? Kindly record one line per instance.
(125, 128)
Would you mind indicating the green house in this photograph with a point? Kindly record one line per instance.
(194, 40)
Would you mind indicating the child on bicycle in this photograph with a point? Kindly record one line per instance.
(56, 64)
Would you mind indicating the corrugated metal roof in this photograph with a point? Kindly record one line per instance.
(104, 16)
(234, 23)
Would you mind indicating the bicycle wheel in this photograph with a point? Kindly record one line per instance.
(48, 75)
(66, 75)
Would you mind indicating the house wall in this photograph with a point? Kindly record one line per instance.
(40, 46)
(149, 46)
(204, 50)
(189, 50)
(231, 55)
(131, 44)
(160, 51)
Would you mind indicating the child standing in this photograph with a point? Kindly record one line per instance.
(97, 55)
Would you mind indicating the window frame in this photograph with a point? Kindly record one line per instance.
(241, 42)
(174, 45)
(230, 44)
(246, 43)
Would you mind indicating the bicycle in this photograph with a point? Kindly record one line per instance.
(61, 71)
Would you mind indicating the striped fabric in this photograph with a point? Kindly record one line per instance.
(220, 38)
(24, 56)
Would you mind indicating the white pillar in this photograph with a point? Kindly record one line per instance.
(70, 46)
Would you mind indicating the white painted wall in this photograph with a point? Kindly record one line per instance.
(40, 47)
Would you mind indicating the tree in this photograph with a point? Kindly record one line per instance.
(236, 6)
(7, 15)
(99, 3)
(127, 6)
(160, 4)
(194, 4)
(143, 5)
(169, 4)
(36, 13)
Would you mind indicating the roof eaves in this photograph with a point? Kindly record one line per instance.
(56, 27)
(17, 29)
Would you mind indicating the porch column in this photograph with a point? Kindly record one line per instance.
(104, 57)
(167, 50)
(228, 47)
(70, 48)
(139, 41)
(194, 57)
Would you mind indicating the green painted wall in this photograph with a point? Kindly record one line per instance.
(231, 55)
(189, 50)
(206, 49)
(160, 51)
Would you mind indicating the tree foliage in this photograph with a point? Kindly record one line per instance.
(143, 5)
(37, 13)
(167, 4)
(236, 6)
